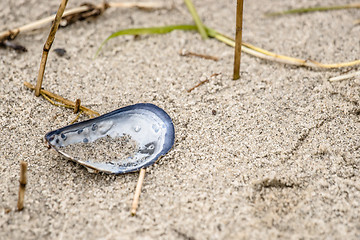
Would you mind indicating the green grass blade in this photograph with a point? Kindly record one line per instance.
(166, 29)
(198, 22)
(144, 31)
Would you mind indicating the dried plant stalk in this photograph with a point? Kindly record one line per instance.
(77, 105)
(344, 77)
(13, 33)
(314, 9)
(238, 39)
(264, 54)
(202, 82)
(77, 117)
(22, 186)
(138, 191)
(67, 103)
(197, 85)
(204, 56)
(48, 44)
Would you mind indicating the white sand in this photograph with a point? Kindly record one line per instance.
(279, 159)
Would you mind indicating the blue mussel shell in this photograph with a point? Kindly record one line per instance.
(146, 124)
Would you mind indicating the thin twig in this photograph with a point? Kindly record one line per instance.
(48, 44)
(140, 5)
(198, 85)
(202, 82)
(67, 103)
(22, 186)
(77, 117)
(138, 191)
(13, 33)
(92, 11)
(54, 103)
(77, 105)
(238, 39)
(188, 53)
(314, 9)
(344, 77)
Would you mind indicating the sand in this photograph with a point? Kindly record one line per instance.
(274, 155)
(106, 149)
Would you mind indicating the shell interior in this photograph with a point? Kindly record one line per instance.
(145, 129)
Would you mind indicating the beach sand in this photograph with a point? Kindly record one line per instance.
(274, 155)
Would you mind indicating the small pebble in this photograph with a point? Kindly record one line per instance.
(60, 51)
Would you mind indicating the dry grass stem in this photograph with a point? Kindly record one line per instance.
(188, 53)
(344, 77)
(77, 117)
(314, 9)
(140, 5)
(270, 56)
(48, 44)
(202, 82)
(77, 105)
(138, 191)
(264, 54)
(53, 102)
(198, 85)
(67, 103)
(13, 33)
(22, 186)
(238, 39)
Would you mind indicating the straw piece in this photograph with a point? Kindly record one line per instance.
(77, 117)
(77, 105)
(137, 192)
(22, 186)
(264, 54)
(202, 82)
(12, 34)
(314, 9)
(67, 103)
(344, 77)
(238, 39)
(204, 56)
(197, 85)
(48, 44)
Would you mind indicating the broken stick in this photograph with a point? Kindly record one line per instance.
(204, 56)
(238, 39)
(67, 103)
(47, 46)
(77, 105)
(138, 191)
(23, 181)
(82, 10)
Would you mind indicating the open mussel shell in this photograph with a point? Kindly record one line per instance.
(146, 129)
